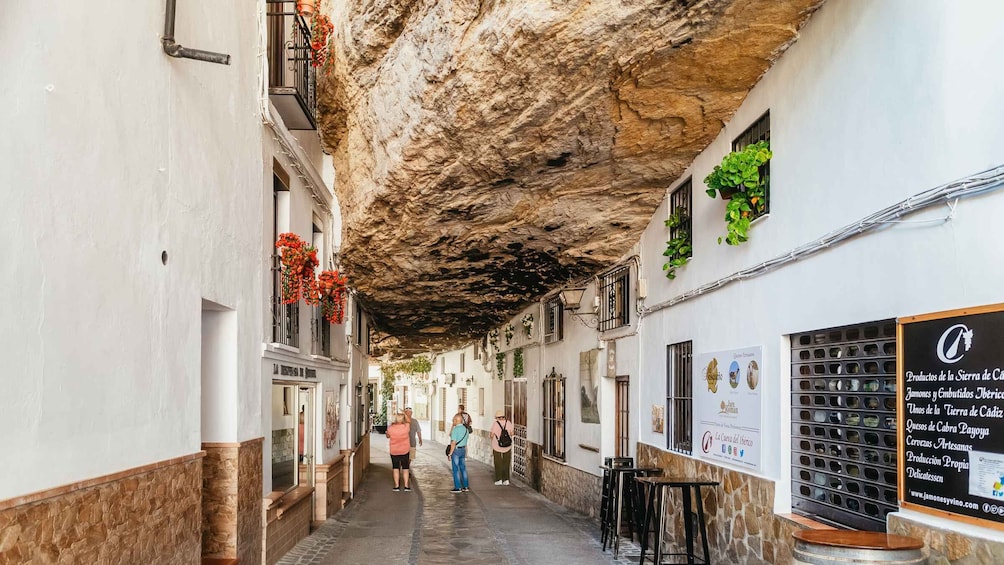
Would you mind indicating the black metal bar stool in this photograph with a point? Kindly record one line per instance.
(654, 520)
(617, 503)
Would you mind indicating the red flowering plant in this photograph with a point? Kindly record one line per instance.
(298, 263)
(321, 29)
(331, 286)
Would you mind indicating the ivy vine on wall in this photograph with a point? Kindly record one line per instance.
(500, 365)
(517, 363)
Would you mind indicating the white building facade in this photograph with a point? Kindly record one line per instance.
(140, 335)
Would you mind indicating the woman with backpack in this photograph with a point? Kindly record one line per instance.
(501, 447)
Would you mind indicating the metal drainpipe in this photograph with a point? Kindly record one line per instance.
(175, 50)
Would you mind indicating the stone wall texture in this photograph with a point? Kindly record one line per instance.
(474, 140)
(249, 502)
(150, 517)
(742, 526)
(947, 547)
(231, 501)
(570, 487)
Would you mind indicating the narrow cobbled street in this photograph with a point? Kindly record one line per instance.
(429, 525)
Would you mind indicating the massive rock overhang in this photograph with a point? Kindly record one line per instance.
(488, 152)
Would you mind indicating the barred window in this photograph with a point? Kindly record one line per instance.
(615, 299)
(554, 416)
(680, 202)
(679, 396)
(843, 419)
(554, 324)
(759, 131)
(462, 355)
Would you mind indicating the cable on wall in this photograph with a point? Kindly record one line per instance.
(950, 193)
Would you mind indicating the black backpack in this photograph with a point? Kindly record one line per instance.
(505, 440)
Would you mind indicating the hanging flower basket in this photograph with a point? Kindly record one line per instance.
(509, 332)
(331, 289)
(298, 263)
(305, 7)
(527, 322)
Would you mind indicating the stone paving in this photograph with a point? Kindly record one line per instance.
(429, 525)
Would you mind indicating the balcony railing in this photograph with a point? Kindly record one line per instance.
(291, 78)
(320, 334)
(285, 317)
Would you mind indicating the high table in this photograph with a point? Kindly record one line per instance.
(613, 500)
(655, 515)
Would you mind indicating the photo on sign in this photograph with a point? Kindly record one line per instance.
(589, 387)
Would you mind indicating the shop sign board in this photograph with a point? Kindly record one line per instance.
(950, 396)
(727, 407)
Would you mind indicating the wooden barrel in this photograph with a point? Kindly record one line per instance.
(842, 547)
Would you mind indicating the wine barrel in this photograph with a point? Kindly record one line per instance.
(843, 547)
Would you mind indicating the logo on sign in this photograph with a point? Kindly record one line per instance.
(954, 343)
(706, 442)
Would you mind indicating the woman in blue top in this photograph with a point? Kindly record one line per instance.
(458, 454)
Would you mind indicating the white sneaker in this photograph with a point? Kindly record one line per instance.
(498, 483)
(505, 483)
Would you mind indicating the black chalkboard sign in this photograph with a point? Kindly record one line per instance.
(951, 414)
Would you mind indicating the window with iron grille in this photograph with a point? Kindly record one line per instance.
(759, 131)
(358, 322)
(623, 424)
(679, 397)
(615, 299)
(843, 420)
(680, 202)
(462, 355)
(554, 326)
(554, 416)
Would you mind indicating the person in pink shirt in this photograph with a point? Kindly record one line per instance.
(400, 451)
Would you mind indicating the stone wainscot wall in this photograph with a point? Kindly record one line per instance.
(148, 515)
(742, 525)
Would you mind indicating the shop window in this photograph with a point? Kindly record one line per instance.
(843, 412)
(679, 398)
(615, 299)
(759, 131)
(554, 416)
(554, 326)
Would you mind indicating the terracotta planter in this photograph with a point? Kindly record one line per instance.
(305, 7)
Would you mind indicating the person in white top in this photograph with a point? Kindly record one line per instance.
(502, 454)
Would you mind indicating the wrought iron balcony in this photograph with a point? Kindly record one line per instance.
(285, 317)
(292, 86)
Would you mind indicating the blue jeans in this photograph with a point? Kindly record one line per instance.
(459, 461)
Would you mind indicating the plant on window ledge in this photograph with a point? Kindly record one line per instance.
(509, 332)
(331, 289)
(527, 322)
(517, 363)
(679, 248)
(298, 263)
(738, 179)
(500, 365)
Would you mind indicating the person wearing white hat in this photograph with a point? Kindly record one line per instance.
(501, 434)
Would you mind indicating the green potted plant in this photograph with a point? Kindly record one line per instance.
(380, 421)
(738, 180)
(679, 248)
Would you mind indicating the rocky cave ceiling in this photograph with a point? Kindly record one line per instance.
(488, 151)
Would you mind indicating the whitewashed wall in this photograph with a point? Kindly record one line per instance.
(112, 153)
(876, 101)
